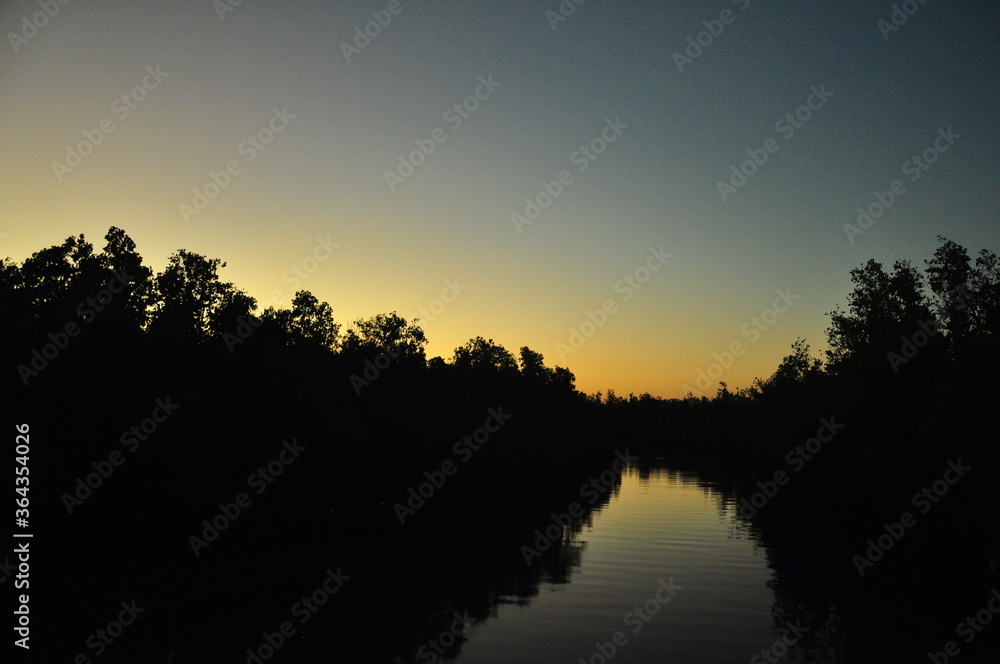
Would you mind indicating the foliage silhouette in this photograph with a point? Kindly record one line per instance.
(910, 370)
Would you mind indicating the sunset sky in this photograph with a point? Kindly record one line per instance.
(310, 117)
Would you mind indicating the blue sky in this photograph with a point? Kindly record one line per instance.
(347, 121)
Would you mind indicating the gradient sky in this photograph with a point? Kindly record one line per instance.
(323, 175)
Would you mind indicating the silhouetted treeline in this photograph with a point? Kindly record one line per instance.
(906, 389)
(96, 341)
(93, 339)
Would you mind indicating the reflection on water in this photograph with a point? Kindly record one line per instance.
(657, 567)
(664, 572)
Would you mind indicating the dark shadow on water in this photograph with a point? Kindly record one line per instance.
(96, 346)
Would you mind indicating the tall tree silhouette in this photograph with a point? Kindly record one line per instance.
(967, 295)
(882, 308)
(308, 323)
(533, 367)
(189, 296)
(122, 268)
(381, 332)
(480, 354)
(233, 305)
(52, 277)
(985, 283)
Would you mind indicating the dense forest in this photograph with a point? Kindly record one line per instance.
(395, 452)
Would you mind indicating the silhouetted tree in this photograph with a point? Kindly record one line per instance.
(312, 321)
(51, 277)
(123, 268)
(533, 367)
(563, 379)
(882, 308)
(949, 274)
(967, 295)
(370, 336)
(308, 323)
(233, 305)
(189, 295)
(483, 355)
(795, 368)
(10, 275)
(985, 283)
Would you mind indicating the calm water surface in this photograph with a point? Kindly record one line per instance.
(662, 526)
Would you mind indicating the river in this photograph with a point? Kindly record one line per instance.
(666, 573)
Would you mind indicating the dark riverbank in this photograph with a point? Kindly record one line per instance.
(218, 466)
